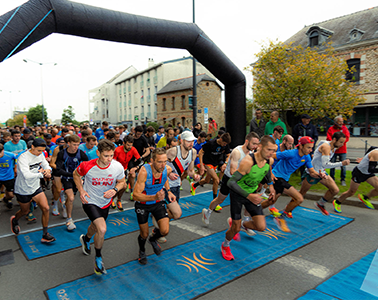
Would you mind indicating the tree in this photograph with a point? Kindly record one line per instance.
(249, 104)
(154, 125)
(68, 116)
(18, 120)
(304, 80)
(34, 114)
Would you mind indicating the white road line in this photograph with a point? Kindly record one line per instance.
(305, 266)
(192, 228)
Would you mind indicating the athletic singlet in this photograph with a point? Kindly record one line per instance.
(317, 159)
(363, 166)
(179, 165)
(227, 172)
(250, 181)
(153, 185)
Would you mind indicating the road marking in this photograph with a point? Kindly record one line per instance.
(303, 265)
(192, 228)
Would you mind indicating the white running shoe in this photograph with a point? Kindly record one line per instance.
(70, 224)
(55, 211)
(64, 212)
(205, 216)
(162, 240)
(264, 196)
(247, 230)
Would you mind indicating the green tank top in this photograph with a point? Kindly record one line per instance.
(250, 181)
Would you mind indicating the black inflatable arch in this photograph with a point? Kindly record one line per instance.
(37, 19)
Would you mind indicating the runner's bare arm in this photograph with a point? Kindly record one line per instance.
(139, 188)
(120, 184)
(171, 197)
(233, 160)
(80, 188)
(53, 158)
(191, 171)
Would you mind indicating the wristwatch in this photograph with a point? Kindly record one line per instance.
(115, 189)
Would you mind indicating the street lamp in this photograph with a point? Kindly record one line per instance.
(10, 101)
(41, 65)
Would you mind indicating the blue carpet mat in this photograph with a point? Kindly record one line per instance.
(117, 224)
(191, 269)
(358, 281)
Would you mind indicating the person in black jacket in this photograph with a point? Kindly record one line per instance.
(258, 123)
(305, 128)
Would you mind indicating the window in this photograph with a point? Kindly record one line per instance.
(183, 102)
(314, 38)
(173, 103)
(164, 104)
(353, 75)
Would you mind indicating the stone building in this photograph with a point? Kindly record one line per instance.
(355, 38)
(174, 101)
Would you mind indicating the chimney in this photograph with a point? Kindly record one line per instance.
(150, 62)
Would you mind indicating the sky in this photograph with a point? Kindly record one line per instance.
(238, 28)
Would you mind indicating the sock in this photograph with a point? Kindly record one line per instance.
(142, 243)
(272, 206)
(214, 195)
(156, 235)
(44, 230)
(338, 202)
(322, 201)
(366, 197)
(98, 252)
(87, 239)
(196, 184)
(262, 191)
(226, 243)
(209, 211)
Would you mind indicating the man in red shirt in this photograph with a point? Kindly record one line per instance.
(342, 151)
(130, 159)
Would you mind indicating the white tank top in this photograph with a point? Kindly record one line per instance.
(317, 159)
(363, 166)
(228, 168)
(179, 165)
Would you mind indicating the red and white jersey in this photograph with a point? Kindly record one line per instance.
(99, 180)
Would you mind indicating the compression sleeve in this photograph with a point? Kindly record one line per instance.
(232, 184)
(326, 163)
(373, 167)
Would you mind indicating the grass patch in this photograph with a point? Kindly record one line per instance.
(364, 187)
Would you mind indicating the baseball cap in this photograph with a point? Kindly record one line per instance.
(59, 140)
(38, 142)
(188, 136)
(26, 131)
(160, 127)
(305, 116)
(48, 136)
(305, 140)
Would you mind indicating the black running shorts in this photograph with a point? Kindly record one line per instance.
(237, 202)
(9, 184)
(69, 184)
(280, 184)
(143, 211)
(28, 198)
(94, 212)
(359, 177)
(175, 191)
(225, 190)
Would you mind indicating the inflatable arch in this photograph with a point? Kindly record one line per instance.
(37, 19)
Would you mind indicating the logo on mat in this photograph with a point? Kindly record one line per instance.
(195, 263)
(187, 205)
(123, 221)
(273, 234)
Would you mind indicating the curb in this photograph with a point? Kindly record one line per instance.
(352, 201)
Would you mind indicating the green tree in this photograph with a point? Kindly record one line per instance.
(304, 80)
(68, 116)
(249, 104)
(34, 114)
(17, 120)
(154, 125)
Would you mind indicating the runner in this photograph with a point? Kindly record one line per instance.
(321, 161)
(89, 147)
(103, 177)
(31, 166)
(243, 184)
(210, 158)
(131, 161)
(251, 143)
(289, 162)
(7, 174)
(66, 162)
(150, 195)
(364, 171)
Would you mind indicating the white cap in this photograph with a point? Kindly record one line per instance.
(188, 136)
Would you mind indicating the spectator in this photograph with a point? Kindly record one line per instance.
(342, 151)
(274, 121)
(305, 128)
(212, 126)
(197, 129)
(258, 123)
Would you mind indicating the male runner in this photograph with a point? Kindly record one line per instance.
(103, 177)
(149, 196)
(89, 147)
(251, 143)
(364, 171)
(7, 174)
(32, 166)
(289, 162)
(66, 162)
(321, 161)
(244, 184)
(210, 157)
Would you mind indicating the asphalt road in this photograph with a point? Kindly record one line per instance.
(285, 278)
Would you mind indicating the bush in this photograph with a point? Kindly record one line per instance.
(154, 125)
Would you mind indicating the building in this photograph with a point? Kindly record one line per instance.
(174, 101)
(136, 101)
(102, 99)
(355, 38)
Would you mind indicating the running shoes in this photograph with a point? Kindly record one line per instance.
(336, 207)
(287, 214)
(85, 246)
(365, 200)
(30, 217)
(70, 224)
(226, 253)
(113, 204)
(142, 258)
(321, 208)
(8, 203)
(205, 216)
(281, 224)
(274, 212)
(47, 238)
(119, 205)
(218, 208)
(247, 230)
(14, 225)
(192, 189)
(99, 267)
(155, 246)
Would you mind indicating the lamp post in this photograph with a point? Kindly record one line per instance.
(10, 101)
(41, 67)
(194, 98)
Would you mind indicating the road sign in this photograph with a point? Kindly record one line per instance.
(136, 118)
(205, 110)
(206, 118)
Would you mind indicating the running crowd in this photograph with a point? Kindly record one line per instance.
(152, 166)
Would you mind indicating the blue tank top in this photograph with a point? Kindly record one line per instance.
(153, 185)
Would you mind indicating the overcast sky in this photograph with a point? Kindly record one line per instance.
(237, 27)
